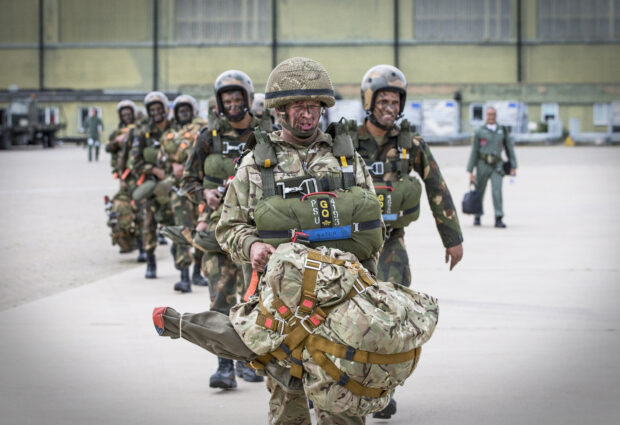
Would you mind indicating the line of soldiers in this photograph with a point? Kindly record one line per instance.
(219, 172)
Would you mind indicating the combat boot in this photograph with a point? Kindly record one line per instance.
(224, 377)
(184, 285)
(386, 413)
(477, 220)
(151, 266)
(499, 223)
(247, 373)
(141, 253)
(197, 278)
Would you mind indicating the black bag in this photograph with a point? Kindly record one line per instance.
(472, 202)
(506, 167)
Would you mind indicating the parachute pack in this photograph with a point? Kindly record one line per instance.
(351, 339)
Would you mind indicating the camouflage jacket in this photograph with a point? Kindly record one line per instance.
(117, 142)
(192, 182)
(145, 135)
(236, 230)
(176, 144)
(422, 162)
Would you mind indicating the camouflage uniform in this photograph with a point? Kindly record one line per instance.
(394, 260)
(175, 147)
(147, 135)
(236, 230)
(225, 276)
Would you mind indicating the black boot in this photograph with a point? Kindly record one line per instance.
(499, 223)
(141, 253)
(477, 220)
(151, 266)
(247, 373)
(224, 377)
(183, 285)
(386, 413)
(197, 278)
(161, 239)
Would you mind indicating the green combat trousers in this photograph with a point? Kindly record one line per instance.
(291, 408)
(393, 261)
(183, 212)
(485, 171)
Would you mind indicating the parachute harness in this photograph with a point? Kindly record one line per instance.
(301, 324)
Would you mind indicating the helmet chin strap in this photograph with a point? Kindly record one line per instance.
(237, 117)
(373, 120)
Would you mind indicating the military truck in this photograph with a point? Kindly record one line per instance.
(23, 122)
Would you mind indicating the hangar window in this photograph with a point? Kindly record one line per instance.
(578, 20)
(601, 114)
(214, 21)
(462, 20)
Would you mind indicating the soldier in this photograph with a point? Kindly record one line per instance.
(143, 165)
(209, 166)
(286, 165)
(124, 215)
(486, 151)
(391, 153)
(175, 146)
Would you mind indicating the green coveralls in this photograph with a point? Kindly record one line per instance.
(485, 155)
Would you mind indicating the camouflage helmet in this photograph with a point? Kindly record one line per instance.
(157, 96)
(185, 99)
(298, 79)
(233, 80)
(126, 103)
(383, 77)
(258, 106)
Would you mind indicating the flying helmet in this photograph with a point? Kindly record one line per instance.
(157, 96)
(383, 77)
(234, 80)
(185, 99)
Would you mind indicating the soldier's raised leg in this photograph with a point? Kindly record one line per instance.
(287, 408)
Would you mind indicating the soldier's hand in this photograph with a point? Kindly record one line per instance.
(472, 178)
(454, 254)
(259, 255)
(159, 173)
(213, 198)
(177, 170)
(201, 226)
(513, 172)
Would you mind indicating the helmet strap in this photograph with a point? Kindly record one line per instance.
(371, 117)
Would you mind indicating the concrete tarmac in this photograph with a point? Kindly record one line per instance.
(528, 331)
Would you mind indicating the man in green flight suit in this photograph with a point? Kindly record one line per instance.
(391, 153)
(287, 166)
(208, 168)
(486, 151)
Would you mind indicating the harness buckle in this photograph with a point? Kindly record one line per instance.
(359, 287)
(306, 186)
(313, 264)
(227, 147)
(376, 168)
(306, 327)
(356, 227)
(281, 325)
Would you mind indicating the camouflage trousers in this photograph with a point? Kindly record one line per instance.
(225, 280)
(291, 408)
(149, 226)
(183, 212)
(484, 172)
(393, 261)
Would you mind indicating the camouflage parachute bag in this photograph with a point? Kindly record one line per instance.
(121, 221)
(351, 339)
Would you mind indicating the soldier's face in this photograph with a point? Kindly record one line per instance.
(387, 106)
(304, 115)
(156, 112)
(184, 113)
(126, 116)
(233, 103)
(491, 116)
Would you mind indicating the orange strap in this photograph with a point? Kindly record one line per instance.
(141, 179)
(125, 173)
(252, 286)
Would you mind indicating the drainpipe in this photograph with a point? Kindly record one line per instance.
(155, 43)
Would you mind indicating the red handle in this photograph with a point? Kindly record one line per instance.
(390, 188)
(303, 198)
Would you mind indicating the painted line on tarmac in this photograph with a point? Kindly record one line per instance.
(56, 190)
